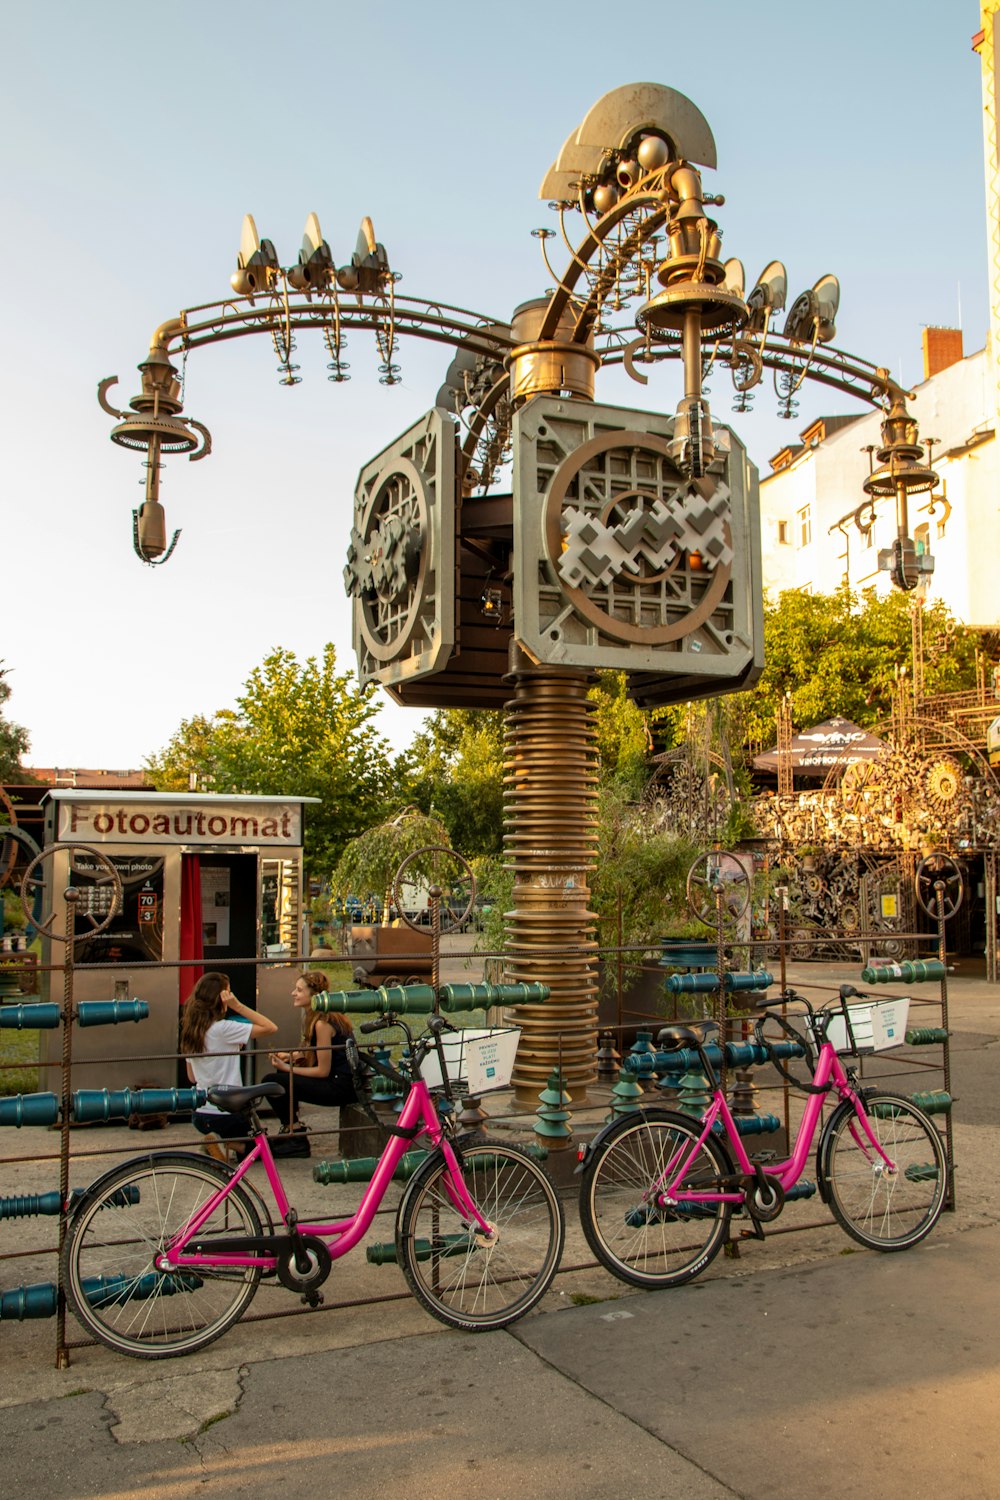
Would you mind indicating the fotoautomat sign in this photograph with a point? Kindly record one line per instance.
(107, 822)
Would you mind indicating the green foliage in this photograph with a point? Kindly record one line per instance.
(456, 772)
(298, 729)
(839, 653)
(644, 873)
(14, 740)
(369, 862)
(623, 736)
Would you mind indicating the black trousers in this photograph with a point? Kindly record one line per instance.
(336, 1088)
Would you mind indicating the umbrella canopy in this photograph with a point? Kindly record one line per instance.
(835, 742)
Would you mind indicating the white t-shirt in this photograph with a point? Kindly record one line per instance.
(213, 1069)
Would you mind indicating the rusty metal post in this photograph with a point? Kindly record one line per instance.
(550, 814)
(72, 897)
(939, 890)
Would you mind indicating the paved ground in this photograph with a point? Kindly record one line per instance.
(806, 1366)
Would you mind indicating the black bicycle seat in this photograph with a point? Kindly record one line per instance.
(673, 1038)
(235, 1101)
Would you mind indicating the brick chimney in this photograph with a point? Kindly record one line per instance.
(942, 347)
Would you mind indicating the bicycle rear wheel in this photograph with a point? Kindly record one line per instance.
(461, 1277)
(885, 1208)
(638, 1241)
(109, 1258)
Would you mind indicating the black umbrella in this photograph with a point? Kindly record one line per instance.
(814, 752)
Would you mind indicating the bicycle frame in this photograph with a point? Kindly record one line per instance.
(341, 1235)
(829, 1069)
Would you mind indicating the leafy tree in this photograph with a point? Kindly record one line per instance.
(456, 772)
(839, 653)
(623, 735)
(298, 729)
(14, 741)
(368, 864)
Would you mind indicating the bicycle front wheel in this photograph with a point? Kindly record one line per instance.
(636, 1239)
(112, 1241)
(463, 1277)
(886, 1207)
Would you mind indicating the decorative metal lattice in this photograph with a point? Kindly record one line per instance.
(401, 556)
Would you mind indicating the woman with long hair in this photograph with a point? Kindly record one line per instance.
(317, 1072)
(214, 1029)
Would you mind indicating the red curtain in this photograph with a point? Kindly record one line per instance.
(190, 945)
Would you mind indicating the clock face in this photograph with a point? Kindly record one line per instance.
(387, 558)
(400, 569)
(622, 561)
(642, 554)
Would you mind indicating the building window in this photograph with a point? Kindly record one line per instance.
(783, 533)
(922, 539)
(803, 521)
(940, 528)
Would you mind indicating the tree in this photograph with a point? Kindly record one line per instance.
(623, 736)
(14, 742)
(456, 773)
(840, 653)
(298, 729)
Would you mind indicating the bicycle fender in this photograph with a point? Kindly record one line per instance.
(654, 1112)
(147, 1158)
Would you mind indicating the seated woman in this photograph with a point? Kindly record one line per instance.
(212, 1037)
(318, 1072)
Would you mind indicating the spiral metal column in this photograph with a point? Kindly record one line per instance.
(550, 813)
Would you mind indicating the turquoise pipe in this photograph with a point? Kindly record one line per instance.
(110, 1012)
(403, 999)
(482, 996)
(51, 1203)
(42, 1017)
(738, 1055)
(384, 1254)
(753, 1124)
(705, 982)
(927, 1036)
(40, 1300)
(917, 971)
(362, 1168)
(29, 1109)
(118, 1104)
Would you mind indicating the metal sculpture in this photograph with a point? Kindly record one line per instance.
(630, 540)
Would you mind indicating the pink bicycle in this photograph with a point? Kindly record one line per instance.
(659, 1187)
(166, 1251)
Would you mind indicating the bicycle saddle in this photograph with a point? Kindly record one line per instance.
(235, 1101)
(673, 1038)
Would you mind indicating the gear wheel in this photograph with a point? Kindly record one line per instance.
(942, 782)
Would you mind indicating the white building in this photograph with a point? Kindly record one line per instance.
(819, 530)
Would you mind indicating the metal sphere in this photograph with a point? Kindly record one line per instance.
(605, 197)
(653, 152)
(628, 173)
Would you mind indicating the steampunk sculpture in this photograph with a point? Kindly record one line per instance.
(627, 539)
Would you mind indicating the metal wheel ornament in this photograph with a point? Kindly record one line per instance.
(716, 874)
(101, 896)
(436, 865)
(935, 870)
(8, 848)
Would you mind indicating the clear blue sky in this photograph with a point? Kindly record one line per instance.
(134, 138)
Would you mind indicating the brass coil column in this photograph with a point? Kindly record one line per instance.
(550, 813)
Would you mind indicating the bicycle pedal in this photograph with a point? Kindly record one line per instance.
(762, 1157)
(311, 1299)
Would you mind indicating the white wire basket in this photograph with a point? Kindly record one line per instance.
(477, 1061)
(877, 1026)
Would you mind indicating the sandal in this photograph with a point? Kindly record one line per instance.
(212, 1146)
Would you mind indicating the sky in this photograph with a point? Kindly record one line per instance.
(134, 138)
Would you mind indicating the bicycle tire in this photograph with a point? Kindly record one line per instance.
(115, 1233)
(464, 1281)
(881, 1209)
(641, 1244)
